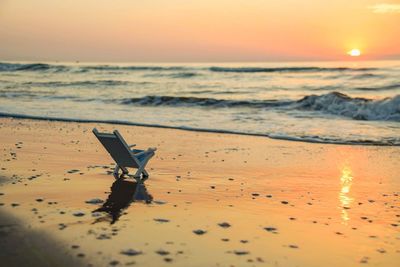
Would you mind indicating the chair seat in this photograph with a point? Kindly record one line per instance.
(143, 156)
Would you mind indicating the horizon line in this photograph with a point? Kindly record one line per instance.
(199, 61)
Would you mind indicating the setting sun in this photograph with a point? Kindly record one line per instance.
(354, 52)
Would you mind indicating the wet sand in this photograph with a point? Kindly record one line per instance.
(211, 200)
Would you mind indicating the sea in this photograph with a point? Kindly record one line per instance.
(324, 102)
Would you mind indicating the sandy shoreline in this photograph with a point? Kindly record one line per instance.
(196, 129)
(287, 203)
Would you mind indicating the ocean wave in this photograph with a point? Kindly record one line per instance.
(336, 103)
(4, 66)
(30, 67)
(174, 75)
(42, 95)
(380, 88)
(286, 69)
(200, 102)
(333, 103)
(79, 83)
(364, 76)
(135, 68)
(183, 75)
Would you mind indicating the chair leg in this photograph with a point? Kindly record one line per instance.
(142, 171)
(138, 173)
(124, 170)
(115, 173)
(145, 175)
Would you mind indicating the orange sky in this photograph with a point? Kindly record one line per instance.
(201, 30)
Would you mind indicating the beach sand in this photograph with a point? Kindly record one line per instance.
(217, 200)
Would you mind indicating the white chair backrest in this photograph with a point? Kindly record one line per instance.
(117, 148)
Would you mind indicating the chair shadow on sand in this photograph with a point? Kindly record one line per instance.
(123, 193)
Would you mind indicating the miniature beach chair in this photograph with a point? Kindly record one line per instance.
(124, 156)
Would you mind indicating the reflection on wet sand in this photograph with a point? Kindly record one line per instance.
(346, 180)
(123, 193)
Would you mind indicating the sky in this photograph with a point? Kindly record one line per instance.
(198, 30)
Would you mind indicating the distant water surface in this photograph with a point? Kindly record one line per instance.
(329, 102)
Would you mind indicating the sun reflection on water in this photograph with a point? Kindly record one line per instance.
(346, 180)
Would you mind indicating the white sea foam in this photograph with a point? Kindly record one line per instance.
(387, 109)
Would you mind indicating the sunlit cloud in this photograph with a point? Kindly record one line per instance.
(385, 8)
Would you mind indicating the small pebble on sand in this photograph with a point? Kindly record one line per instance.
(199, 232)
(162, 252)
(94, 201)
(364, 260)
(224, 225)
(131, 252)
(113, 263)
(161, 220)
(270, 229)
(381, 250)
(78, 214)
(159, 202)
(241, 252)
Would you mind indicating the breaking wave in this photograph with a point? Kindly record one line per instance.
(334, 103)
